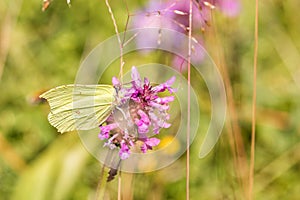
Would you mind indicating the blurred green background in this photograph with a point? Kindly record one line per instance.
(40, 50)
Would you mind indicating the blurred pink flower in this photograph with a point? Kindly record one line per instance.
(174, 14)
(230, 8)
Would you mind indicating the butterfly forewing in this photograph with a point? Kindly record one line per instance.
(79, 107)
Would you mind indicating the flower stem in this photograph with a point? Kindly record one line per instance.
(119, 185)
(101, 186)
(252, 158)
(7, 26)
(189, 103)
(118, 37)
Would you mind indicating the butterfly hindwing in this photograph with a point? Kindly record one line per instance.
(79, 107)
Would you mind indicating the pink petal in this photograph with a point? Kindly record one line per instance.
(152, 142)
(231, 8)
(115, 81)
(136, 79)
(144, 117)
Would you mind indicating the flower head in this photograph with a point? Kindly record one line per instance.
(140, 112)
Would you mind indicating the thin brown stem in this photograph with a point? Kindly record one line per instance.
(101, 183)
(4, 42)
(118, 37)
(119, 185)
(100, 186)
(128, 186)
(233, 127)
(10, 18)
(189, 103)
(121, 68)
(252, 158)
(127, 21)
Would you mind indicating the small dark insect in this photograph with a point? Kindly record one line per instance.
(111, 174)
(113, 171)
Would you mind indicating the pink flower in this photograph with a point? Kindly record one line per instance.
(165, 86)
(124, 151)
(174, 14)
(115, 81)
(104, 134)
(149, 143)
(143, 123)
(140, 111)
(231, 8)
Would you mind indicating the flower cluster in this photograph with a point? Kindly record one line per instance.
(139, 114)
(174, 15)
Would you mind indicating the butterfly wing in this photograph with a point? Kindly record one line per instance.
(79, 107)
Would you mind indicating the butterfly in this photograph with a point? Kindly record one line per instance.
(79, 107)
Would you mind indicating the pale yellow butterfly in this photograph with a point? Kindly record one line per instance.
(79, 107)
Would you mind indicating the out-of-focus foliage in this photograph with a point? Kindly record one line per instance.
(41, 50)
